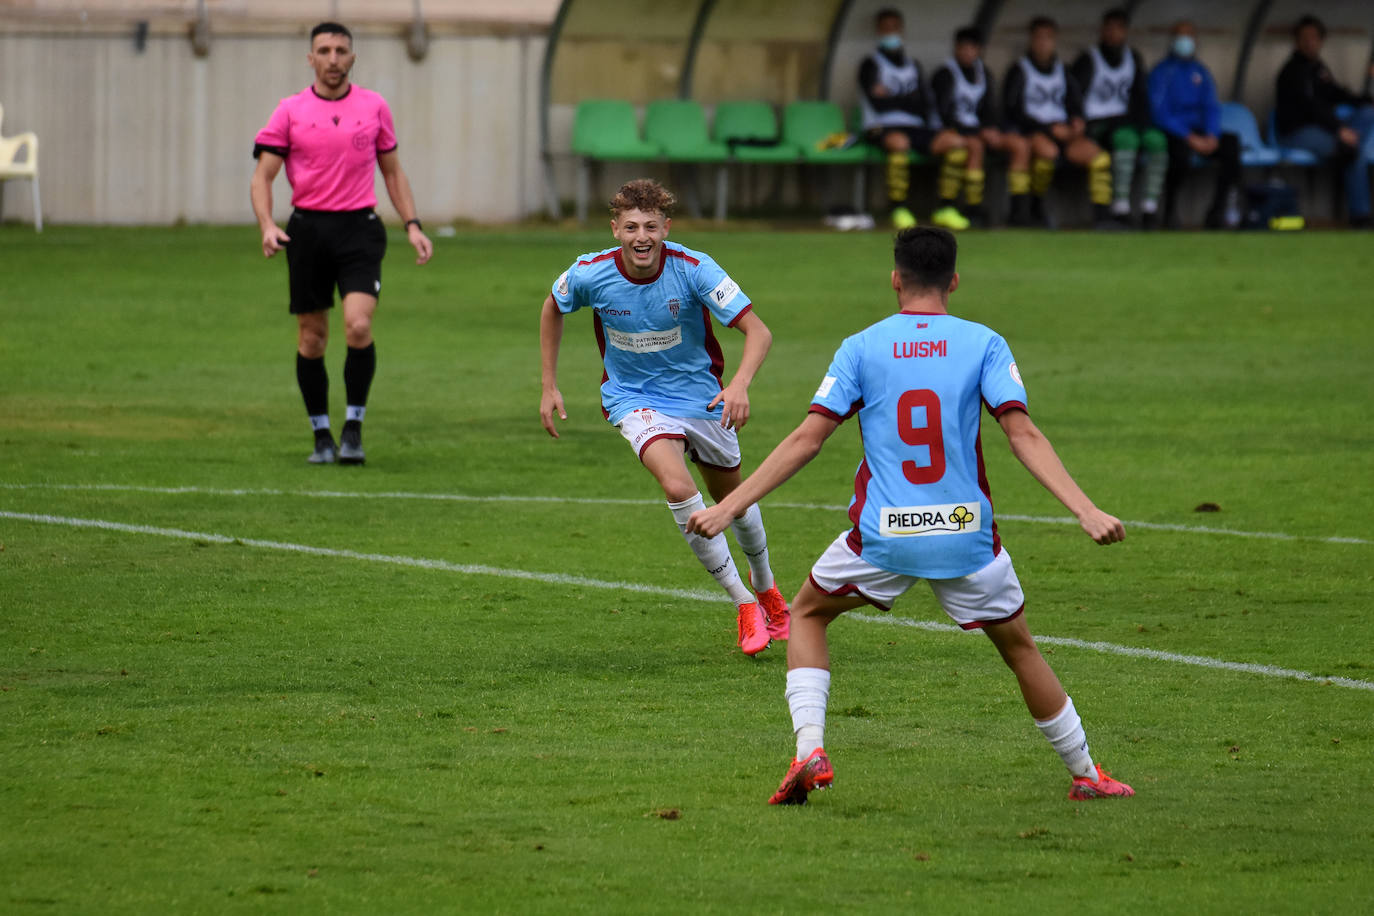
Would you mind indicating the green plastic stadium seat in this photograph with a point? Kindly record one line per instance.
(752, 121)
(678, 127)
(608, 129)
(605, 130)
(807, 124)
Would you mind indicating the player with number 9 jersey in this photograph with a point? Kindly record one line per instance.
(918, 381)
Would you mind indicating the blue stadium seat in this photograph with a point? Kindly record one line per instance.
(1288, 154)
(1237, 119)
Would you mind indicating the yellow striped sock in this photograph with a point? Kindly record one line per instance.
(951, 173)
(1042, 173)
(1018, 182)
(898, 177)
(974, 181)
(1100, 178)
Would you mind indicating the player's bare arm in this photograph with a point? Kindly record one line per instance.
(735, 396)
(398, 188)
(260, 192)
(550, 339)
(1033, 450)
(791, 455)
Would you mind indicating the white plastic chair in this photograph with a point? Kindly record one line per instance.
(11, 167)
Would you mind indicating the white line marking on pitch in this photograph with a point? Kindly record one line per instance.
(620, 501)
(684, 593)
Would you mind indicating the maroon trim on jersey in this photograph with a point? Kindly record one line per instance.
(848, 588)
(390, 149)
(987, 492)
(654, 439)
(601, 346)
(855, 540)
(1004, 407)
(979, 624)
(713, 347)
(599, 258)
(742, 312)
(827, 412)
(323, 99)
(905, 312)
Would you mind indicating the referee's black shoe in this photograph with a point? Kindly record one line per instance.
(351, 444)
(325, 450)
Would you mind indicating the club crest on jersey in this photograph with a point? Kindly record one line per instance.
(920, 521)
(673, 306)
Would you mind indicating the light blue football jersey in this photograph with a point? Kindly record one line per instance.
(655, 335)
(918, 382)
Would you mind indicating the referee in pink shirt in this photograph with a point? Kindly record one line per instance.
(331, 136)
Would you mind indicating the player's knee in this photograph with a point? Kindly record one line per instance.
(311, 342)
(1125, 139)
(679, 491)
(358, 330)
(895, 141)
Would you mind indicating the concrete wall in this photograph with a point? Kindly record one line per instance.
(162, 135)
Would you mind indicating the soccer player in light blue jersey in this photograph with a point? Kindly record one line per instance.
(652, 303)
(918, 381)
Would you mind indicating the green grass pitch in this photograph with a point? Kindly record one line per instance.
(268, 687)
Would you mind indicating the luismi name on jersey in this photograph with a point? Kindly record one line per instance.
(920, 521)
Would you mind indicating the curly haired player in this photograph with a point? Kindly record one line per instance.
(652, 302)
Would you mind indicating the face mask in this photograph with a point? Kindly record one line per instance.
(1184, 46)
(890, 42)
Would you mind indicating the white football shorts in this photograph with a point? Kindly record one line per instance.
(990, 595)
(707, 442)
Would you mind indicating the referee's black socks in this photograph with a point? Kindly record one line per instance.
(314, 383)
(359, 366)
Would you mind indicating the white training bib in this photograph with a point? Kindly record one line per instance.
(1109, 96)
(897, 81)
(1043, 98)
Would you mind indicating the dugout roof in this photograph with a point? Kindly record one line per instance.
(782, 50)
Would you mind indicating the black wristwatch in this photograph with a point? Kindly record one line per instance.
(417, 224)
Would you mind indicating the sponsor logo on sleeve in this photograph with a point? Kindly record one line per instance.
(725, 292)
(1016, 375)
(921, 521)
(826, 384)
(562, 286)
(644, 341)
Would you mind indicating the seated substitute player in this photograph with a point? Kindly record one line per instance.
(921, 507)
(333, 136)
(963, 100)
(1043, 103)
(652, 301)
(1116, 104)
(898, 118)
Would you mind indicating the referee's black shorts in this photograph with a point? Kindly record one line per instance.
(330, 249)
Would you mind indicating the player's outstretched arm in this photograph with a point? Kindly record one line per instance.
(260, 192)
(735, 396)
(791, 455)
(1033, 450)
(550, 339)
(398, 189)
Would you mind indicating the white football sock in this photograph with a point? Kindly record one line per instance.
(714, 553)
(354, 412)
(319, 421)
(808, 690)
(753, 541)
(1065, 734)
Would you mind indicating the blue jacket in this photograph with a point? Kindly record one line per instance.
(1183, 98)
